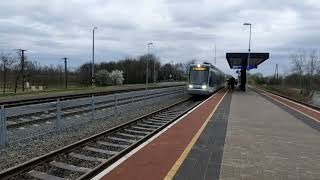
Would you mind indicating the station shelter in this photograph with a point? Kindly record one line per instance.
(239, 61)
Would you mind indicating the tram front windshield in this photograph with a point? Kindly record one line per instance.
(198, 77)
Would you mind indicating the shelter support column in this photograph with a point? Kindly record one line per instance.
(243, 79)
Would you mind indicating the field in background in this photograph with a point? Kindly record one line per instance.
(72, 90)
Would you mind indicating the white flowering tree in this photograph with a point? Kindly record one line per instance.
(117, 77)
(103, 78)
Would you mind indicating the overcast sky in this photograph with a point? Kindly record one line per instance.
(180, 29)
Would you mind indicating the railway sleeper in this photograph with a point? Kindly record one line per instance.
(87, 158)
(122, 139)
(137, 132)
(153, 123)
(70, 167)
(157, 121)
(112, 144)
(98, 150)
(142, 128)
(148, 125)
(160, 119)
(129, 135)
(44, 176)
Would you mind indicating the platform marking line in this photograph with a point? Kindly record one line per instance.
(313, 118)
(185, 153)
(121, 160)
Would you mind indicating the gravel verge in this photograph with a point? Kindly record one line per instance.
(22, 151)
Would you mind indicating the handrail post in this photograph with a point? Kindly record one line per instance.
(115, 104)
(3, 127)
(58, 121)
(93, 112)
(132, 100)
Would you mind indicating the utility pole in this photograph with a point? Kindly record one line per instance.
(4, 76)
(154, 71)
(22, 67)
(276, 73)
(148, 57)
(66, 72)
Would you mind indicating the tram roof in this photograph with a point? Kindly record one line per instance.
(239, 60)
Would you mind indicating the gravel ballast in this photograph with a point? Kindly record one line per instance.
(21, 151)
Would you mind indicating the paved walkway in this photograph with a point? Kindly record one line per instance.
(205, 157)
(263, 141)
(267, 142)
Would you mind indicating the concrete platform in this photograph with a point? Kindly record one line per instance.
(244, 136)
(264, 140)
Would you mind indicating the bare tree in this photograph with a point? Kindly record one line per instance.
(7, 60)
(298, 61)
(310, 68)
(187, 65)
(19, 58)
(310, 65)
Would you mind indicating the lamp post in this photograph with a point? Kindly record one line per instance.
(148, 57)
(154, 71)
(248, 61)
(92, 66)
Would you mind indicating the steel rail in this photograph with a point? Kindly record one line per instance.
(286, 97)
(42, 119)
(24, 102)
(28, 165)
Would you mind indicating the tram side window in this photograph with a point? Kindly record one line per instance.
(211, 79)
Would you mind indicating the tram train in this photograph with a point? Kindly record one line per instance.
(205, 79)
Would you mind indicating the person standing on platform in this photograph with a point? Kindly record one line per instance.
(232, 82)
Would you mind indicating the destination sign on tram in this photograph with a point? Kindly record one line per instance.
(200, 68)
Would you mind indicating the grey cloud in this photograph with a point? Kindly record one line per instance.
(181, 30)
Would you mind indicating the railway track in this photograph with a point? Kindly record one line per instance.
(21, 120)
(85, 158)
(24, 102)
(286, 97)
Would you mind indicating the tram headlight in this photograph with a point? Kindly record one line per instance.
(204, 86)
(190, 86)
